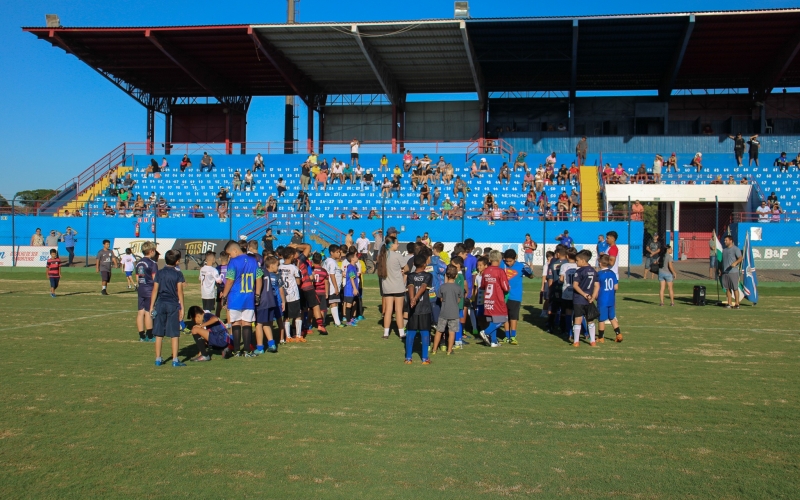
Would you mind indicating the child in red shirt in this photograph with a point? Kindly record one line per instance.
(494, 283)
(53, 271)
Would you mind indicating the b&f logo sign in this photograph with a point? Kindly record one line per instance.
(770, 253)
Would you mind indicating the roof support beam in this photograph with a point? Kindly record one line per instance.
(382, 73)
(293, 77)
(477, 75)
(774, 70)
(160, 104)
(668, 82)
(573, 80)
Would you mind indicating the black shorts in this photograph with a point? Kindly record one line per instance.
(105, 276)
(349, 300)
(323, 301)
(354, 156)
(144, 303)
(292, 310)
(208, 304)
(513, 307)
(333, 298)
(54, 283)
(754, 155)
(309, 298)
(419, 322)
(401, 294)
(167, 322)
(579, 310)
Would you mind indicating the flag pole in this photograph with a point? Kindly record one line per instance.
(716, 243)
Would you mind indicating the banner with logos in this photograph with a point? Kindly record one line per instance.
(27, 256)
(135, 244)
(198, 246)
(776, 257)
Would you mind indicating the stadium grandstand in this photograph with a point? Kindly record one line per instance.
(605, 93)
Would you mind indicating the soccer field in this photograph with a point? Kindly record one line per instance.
(697, 402)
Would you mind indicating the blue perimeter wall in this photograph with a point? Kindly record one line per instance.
(501, 235)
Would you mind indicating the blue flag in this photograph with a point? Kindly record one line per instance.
(748, 287)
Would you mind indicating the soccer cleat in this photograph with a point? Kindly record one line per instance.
(619, 337)
(576, 344)
(238, 354)
(226, 353)
(513, 341)
(484, 337)
(571, 339)
(496, 344)
(200, 358)
(322, 331)
(601, 340)
(159, 361)
(593, 344)
(464, 341)
(432, 352)
(736, 307)
(352, 322)
(103, 292)
(282, 341)
(301, 340)
(457, 346)
(340, 325)
(151, 339)
(177, 364)
(506, 340)
(53, 295)
(272, 349)
(449, 352)
(408, 361)
(142, 339)
(360, 318)
(426, 361)
(442, 348)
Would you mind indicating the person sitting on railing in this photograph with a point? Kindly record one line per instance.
(77, 213)
(347, 173)
(744, 181)
(528, 181)
(433, 215)
(505, 174)
(530, 202)
(549, 174)
(153, 168)
(496, 212)
(222, 210)
(138, 206)
(196, 213)
(717, 181)
(186, 162)
(222, 196)
(777, 212)
(280, 186)
(488, 200)
(207, 162)
(460, 187)
(573, 173)
(386, 187)
(563, 174)
(574, 200)
(511, 213)
(697, 162)
(258, 163)
(407, 161)
(321, 178)
(373, 215)
(637, 211)
(425, 195)
(658, 162)
(672, 163)
(473, 171)
(414, 216)
(782, 162)
(731, 180)
(520, 161)
(237, 180)
(354, 215)
(259, 210)
(447, 207)
(620, 175)
(764, 212)
(107, 210)
(641, 175)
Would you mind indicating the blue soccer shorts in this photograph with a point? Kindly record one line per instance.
(607, 313)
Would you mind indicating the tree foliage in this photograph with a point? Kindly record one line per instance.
(30, 197)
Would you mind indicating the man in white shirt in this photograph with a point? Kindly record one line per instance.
(354, 151)
(362, 244)
(764, 212)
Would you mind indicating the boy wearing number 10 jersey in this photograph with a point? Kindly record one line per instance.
(243, 292)
(606, 300)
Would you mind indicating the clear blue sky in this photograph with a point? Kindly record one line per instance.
(59, 116)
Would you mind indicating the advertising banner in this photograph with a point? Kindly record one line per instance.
(135, 244)
(780, 257)
(26, 256)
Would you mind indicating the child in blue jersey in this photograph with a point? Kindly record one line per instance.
(222, 268)
(585, 290)
(544, 292)
(566, 274)
(168, 310)
(269, 308)
(602, 245)
(351, 281)
(606, 300)
(243, 293)
(469, 270)
(146, 270)
(208, 331)
(515, 271)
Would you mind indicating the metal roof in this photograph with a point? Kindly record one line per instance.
(735, 49)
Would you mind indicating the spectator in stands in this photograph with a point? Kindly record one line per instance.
(580, 151)
(222, 196)
(488, 201)
(697, 162)
(447, 207)
(280, 186)
(460, 187)
(511, 213)
(384, 163)
(528, 181)
(222, 210)
(368, 180)
(312, 159)
(782, 162)
(752, 152)
(302, 202)
(530, 201)
(764, 212)
(153, 168)
(347, 173)
(608, 174)
(258, 163)
(776, 212)
(196, 213)
(658, 162)
(206, 162)
(550, 160)
(373, 215)
(416, 177)
(563, 174)
(186, 162)
(336, 172)
(237, 180)
(563, 206)
(397, 173)
(447, 175)
(128, 182)
(796, 161)
(163, 207)
(637, 211)
(314, 171)
(354, 145)
(272, 204)
(483, 166)
(549, 174)
(138, 206)
(433, 215)
(386, 187)
(436, 194)
(37, 240)
(772, 199)
(619, 174)
(538, 179)
(738, 148)
(407, 160)
(505, 174)
(107, 210)
(323, 165)
(112, 178)
(473, 171)
(124, 196)
(520, 161)
(305, 175)
(425, 195)
(744, 181)
(717, 180)
(496, 212)
(425, 161)
(396, 186)
(414, 216)
(731, 180)
(259, 210)
(354, 215)
(641, 175)
(573, 174)
(574, 200)
(249, 181)
(672, 163)
(321, 178)
(358, 174)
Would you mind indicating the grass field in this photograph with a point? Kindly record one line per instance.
(695, 403)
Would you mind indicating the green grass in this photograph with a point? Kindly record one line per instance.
(696, 402)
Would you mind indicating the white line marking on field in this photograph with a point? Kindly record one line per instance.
(55, 323)
(729, 329)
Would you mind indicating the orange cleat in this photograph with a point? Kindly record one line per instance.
(593, 344)
(619, 337)
(301, 339)
(601, 340)
(576, 344)
(426, 362)
(408, 361)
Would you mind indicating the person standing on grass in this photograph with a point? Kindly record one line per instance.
(53, 271)
(146, 270)
(515, 271)
(666, 275)
(449, 295)
(529, 246)
(613, 251)
(209, 279)
(606, 299)
(103, 263)
(494, 283)
(731, 258)
(389, 268)
(127, 262)
(585, 290)
(69, 242)
(242, 291)
(334, 271)
(269, 307)
(419, 318)
(653, 251)
(166, 304)
(351, 287)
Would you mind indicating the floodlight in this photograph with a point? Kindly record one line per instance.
(462, 10)
(52, 21)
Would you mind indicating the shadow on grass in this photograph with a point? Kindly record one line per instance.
(77, 293)
(530, 316)
(641, 301)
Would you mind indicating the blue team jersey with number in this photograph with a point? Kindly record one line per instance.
(243, 270)
(146, 270)
(515, 274)
(586, 277)
(608, 280)
(602, 247)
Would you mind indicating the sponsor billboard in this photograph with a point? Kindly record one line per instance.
(785, 257)
(27, 256)
(198, 246)
(135, 244)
